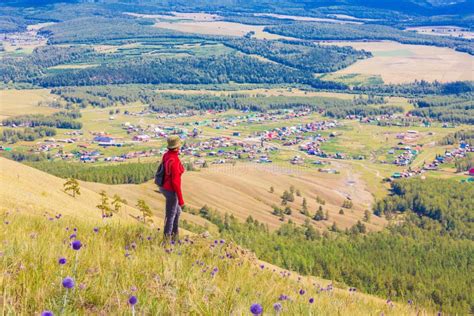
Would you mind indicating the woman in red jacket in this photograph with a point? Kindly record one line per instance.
(171, 188)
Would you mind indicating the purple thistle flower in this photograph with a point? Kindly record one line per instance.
(76, 245)
(262, 266)
(6, 222)
(222, 241)
(410, 302)
(96, 229)
(75, 229)
(311, 300)
(72, 236)
(132, 300)
(68, 282)
(302, 292)
(47, 313)
(62, 261)
(283, 297)
(277, 307)
(256, 309)
(148, 238)
(216, 241)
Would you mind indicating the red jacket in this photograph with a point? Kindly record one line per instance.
(173, 171)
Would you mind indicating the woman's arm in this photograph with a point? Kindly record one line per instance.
(176, 181)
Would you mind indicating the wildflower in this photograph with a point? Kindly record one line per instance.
(132, 300)
(148, 238)
(311, 300)
(410, 302)
(75, 229)
(283, 297)
(256, 309)
(277, 307)
(6, 222)
(133, 289)
(222, 241)
(76, 245)
(68, 283)
(302, 292)
(96, 229)
(72, 236)
(62, 261)
(47, 313)
(82, 286)
(262, 266)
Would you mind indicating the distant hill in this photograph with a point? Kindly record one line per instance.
(411, 7)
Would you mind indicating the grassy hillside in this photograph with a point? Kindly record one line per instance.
(123, 257)
(116, 261)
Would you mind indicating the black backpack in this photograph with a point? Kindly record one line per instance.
(160, 175)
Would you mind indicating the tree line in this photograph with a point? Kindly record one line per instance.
(126, 173)
(63, 119)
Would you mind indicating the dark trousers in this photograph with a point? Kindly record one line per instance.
(173, 210)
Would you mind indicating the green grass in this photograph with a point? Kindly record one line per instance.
(165, 281)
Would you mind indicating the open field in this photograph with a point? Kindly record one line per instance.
(219, 28)
(18, 102)
(402, 63)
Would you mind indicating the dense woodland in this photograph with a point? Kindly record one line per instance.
(11, 136)
(449, 204)
(421, 259)
(335, 31)
(110, 174)
(61, 119)
(302, 55)
(457, 108)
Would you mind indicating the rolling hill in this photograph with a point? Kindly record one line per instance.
(117, 261)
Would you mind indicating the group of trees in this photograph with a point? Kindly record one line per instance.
(466, 136)
(61, 119)
(13, 135)
(302, 55)
(110, 174)
(29, 67)
(443, 205)
(447, 108)
(337, 31)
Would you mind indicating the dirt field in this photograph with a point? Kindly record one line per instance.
(454, 31)
(219, 28)
(17, 102)
(401, 63)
